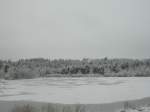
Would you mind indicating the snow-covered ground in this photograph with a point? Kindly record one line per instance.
(139, 109)
(76, 90)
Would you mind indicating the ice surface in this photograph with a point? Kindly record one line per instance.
(76, 90)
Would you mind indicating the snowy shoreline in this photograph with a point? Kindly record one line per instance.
(7, 106)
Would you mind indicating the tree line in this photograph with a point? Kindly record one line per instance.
(39, 67)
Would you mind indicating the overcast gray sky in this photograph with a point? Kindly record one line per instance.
(74, 29)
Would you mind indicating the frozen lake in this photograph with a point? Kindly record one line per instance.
(76, 90)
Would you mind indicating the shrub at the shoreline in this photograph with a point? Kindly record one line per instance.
(25, 108)
(50, 108)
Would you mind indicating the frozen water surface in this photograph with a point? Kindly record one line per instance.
(76, 90)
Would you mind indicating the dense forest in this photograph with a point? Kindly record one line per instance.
(39, 67)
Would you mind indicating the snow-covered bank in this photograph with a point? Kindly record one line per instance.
(76, 90)
(134, 106)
